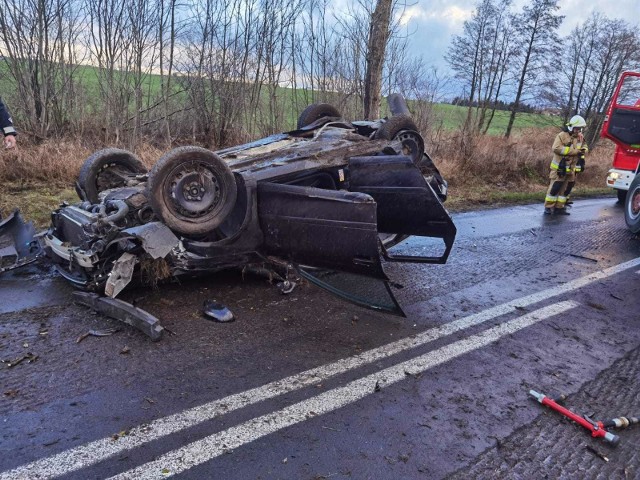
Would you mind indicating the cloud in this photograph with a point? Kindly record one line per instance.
(453, 15)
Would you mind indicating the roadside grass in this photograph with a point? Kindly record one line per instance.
(36, 200)
(488, 196)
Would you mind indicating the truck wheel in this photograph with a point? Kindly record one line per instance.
(622, 195)
(316, 111)
(402, 128)
(632, 206)
(106, 169)
(192, 190)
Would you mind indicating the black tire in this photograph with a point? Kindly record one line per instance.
(622, 195)
(106, 169)
(192, 190)
(632, 206)
(403, 128)
(315, 112)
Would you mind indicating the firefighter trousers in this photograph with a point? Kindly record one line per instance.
(559, 189)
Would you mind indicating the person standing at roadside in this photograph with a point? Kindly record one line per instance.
(6, 124)
(569, 150)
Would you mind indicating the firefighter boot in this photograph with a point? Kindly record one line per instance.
(561, 211)
(548, 211)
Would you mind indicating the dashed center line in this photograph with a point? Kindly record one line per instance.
(85, 455)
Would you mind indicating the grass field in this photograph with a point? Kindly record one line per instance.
(446, 116)
(452, 117)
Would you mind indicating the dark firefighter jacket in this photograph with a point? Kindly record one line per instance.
(6, 124)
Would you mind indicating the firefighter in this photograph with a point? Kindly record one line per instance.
(569, 150)
(6, 124)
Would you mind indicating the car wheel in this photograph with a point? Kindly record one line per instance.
(632, 206)
(402, 128)
(622, 195)
(192, 190)
(315, 112)
(106, 169)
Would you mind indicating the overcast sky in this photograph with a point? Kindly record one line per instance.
(434, 22)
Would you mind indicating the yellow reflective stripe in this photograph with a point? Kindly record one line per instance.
(554, 165)
(550, 199)
(565, 150)
(562, 199)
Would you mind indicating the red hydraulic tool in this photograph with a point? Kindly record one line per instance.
(597, 429)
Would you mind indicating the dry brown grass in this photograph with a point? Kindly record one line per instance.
(55, 161)
(519, 162)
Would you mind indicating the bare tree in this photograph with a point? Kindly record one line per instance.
(376, 47)
(37, 43)
(536, 27)
(596, 53)
(480, 57)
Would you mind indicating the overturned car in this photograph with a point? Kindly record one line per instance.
(326, 201)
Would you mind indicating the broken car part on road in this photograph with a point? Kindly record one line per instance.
(330, 198)
(123, 311)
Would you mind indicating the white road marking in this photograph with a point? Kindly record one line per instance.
(82, 456)
(203, 450)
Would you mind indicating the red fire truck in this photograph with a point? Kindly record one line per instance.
(622, 126)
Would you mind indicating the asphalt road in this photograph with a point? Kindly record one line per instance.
(306, 386)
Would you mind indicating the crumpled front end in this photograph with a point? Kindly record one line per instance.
(98, 247)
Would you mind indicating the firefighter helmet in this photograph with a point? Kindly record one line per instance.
(576, 121)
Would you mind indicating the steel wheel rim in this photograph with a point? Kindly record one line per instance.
(634, 203)
(411, 139)
(194, 190)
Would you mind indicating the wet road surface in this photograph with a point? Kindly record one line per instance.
(308, 386)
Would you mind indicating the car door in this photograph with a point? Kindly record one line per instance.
(332, 238)
(406, 204)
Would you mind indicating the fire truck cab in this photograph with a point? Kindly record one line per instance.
(622, 126)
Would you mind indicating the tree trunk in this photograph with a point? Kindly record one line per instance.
(378, 37)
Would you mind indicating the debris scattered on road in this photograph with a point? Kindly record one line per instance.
(97, 333)
(575, 255)
(332, 429)
(125, 350)
(11, 393)
(217, 311)
(122, 311)
(150, 400)
(286, 287)
(120, 434)
(616, 297)
(597, 306)
(29, 357)
(52, 442)
(597, 453)
(377, 387)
